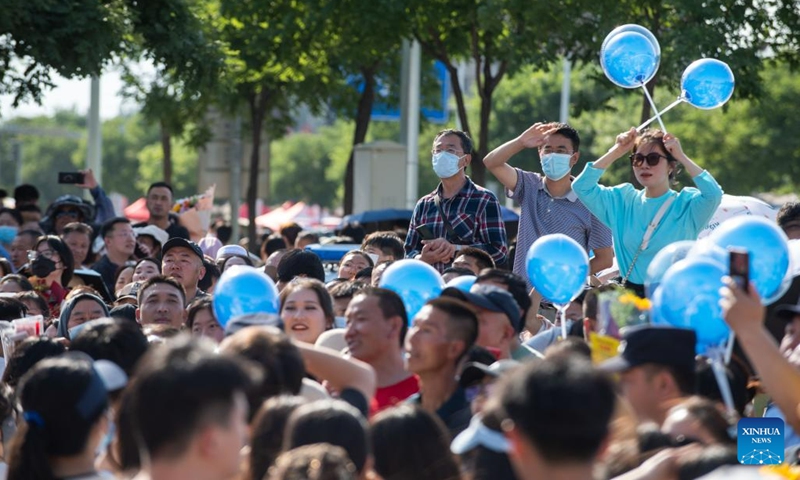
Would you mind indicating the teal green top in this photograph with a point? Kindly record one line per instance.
(627, 212)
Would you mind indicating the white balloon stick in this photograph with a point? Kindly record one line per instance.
(654, 117)
(729, 348)
(652, 104)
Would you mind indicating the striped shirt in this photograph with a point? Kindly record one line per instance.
(543, 214)
(474, 215)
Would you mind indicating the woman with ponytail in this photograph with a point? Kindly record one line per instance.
(64, 405)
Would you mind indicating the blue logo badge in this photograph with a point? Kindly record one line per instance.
(760, 441)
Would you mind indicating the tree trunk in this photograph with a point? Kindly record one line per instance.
(166, 148)
(459, 96)
(258, 108)
(363, 115)
(478, 168)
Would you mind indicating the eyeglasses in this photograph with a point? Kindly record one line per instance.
(637, 159)
(32, 254)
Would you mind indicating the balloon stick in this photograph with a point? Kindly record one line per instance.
(652, 104)
(562, 313)
(729, 348)
(722, 379)
(654, 117)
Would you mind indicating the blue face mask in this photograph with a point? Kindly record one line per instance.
(445, 164)
(555, 166)
(102, 447)
(7, 234)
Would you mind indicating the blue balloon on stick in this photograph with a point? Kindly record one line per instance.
(557, 267)
(632, 27)
(463, 283)
(629, 59)
(768, 248)
(707, 83)
(688, 297)
(414, 281)
(243, 290)
(665, 258)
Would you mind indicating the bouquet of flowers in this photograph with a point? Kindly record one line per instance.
(195, 212)
(620, 308)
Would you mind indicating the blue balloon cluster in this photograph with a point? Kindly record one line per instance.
(414, 281)
(665, 258)
(557, 267)
(463, 283)
(243, 290)
(629, 59)
(707, 83)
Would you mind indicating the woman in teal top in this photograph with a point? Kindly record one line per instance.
(628, 211)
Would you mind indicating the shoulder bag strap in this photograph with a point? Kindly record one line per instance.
(648, 234)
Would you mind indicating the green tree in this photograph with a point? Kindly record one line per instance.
(184, 158)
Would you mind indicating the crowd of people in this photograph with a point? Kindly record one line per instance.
(133, 375)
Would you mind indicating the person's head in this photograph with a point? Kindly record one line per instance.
(322, 460)
(385, 244)
(698, 419)
(5, 267)
(28, 353)
(353, 262)
(652, 163)
(236, 260)
(450, 273)
(274, 352)
(330, 421)
(306, 309)
(557, 413)
(305, 239)
(25, 194)
(159, 200)
(571, 347)
(479, 380)
(227, 251)
(473, 259)
(510, 281)
(272, 244)
(560, 151)
(15, 283)
(483, 447)
(23, 242)
(118, 237)
(78, 237)
(10, 223)
(12, 309)
(80, 309)
(183, 260)
(499, 316)
(145, 269)
(35, 303)
(289, 232)
(115, 340)
(31, 215)
(377, 272)
(452, 152)
(161, 300)
(342, 293)
(200, 320)
(209, 280)
(424, 452)
(67, 209)
(376, 324)
(51, 255)
(299, 263)
(64, 403)
(788, 219)
(441, 333)
(186, 402)
(266, 434)
(123, 275)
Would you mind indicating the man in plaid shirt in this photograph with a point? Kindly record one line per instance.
(472, 212)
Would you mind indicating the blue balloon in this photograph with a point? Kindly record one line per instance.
(242, 290)
(557, 267)
(629, 59)
(768, 247)
(688, 297)
(631, 27)
(463, 283)
(414, 281)
(665, 258)
(656, 317)
(707, 249)
(707, 83)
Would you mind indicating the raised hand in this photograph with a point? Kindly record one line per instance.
(535, 136)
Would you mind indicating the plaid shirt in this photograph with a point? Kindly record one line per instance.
(473, 213)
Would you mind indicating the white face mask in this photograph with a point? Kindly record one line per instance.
(445, 164)
(555, 166)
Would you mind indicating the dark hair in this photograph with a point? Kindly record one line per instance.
(516, 286)
(197, 306)
(266, 433)
(12, 309)
(329, 421)
(119, 341)
(346, 289)
(569, 132)
(129, 264)
(77, 227)
(460, 271)
(462, 321)
(6, 266)
(698, 463)
(148, 259)
(300, 262)
(483, 259)
(28, 353)
(466, 142)
(161, 185)
(20, 280)
(14, 214)
(325, 300)
(354, 231)
(108, 227)
(656, 136)
(391, 305)
(63, 252)
(246, 259)
(387, 242)
(320, 461)
(155, 281)
(423, 453)
(30, 233)
(272, 244)
(26, 193)
(307, 236)
(789, 212)
(739, 375)
(36, 298)
(212, 274)
(684, 377)
(705, 412)
(360, 253)
(290, 231)
(62, 399)
(179, 388)
(561, 406)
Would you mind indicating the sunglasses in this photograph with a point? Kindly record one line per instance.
(637, 159)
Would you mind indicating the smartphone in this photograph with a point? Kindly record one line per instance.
(739, 267)
(425, 232)
(70, 177)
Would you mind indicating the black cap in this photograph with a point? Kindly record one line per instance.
(474, 372)
(182, 242)
(787, 311)
(654, 344)
(491, 298)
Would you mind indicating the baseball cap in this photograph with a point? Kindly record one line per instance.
(474, 372)
(787, 311)
(181, 242)
(229, 251)
(491, 298)
(158, 234)
(657, 344)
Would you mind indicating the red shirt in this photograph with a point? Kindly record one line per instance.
(386, 397)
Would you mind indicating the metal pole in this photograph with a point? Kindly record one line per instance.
(409, 116)
(564, 112)
(93, 158)
(235, 153)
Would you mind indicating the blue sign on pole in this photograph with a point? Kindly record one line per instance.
(437, 113)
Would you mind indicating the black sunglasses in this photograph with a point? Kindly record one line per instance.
(637, 159)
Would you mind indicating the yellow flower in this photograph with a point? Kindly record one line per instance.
(784, 471)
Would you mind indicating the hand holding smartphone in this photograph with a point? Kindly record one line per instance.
(739, 267)
(71, 177)
(425, 232)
